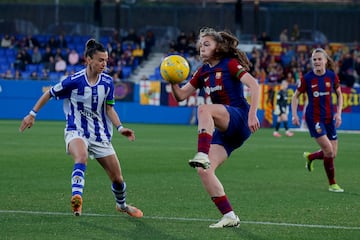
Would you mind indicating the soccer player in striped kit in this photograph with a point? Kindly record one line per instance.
(89, 110)
(224, 125)
(321, 120)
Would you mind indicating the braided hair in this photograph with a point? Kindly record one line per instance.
(226, 46)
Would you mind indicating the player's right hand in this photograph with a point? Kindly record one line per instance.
(27, 122)
(295, 120)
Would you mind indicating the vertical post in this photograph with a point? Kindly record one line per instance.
(97, 18)
(256, 17)
(238, 18)
(117, 15)
(56, 12)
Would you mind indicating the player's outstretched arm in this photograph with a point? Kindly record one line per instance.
(114, 118)
(181, 93)
(29, 119)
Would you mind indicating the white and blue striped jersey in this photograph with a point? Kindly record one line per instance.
(85, 105)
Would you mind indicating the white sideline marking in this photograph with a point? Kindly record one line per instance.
(186, 219)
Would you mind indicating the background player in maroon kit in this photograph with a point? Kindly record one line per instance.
(224, 125)
(321, 120)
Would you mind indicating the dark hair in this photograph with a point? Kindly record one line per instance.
(227, 46)
(92, 46)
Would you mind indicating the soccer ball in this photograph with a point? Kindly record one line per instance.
(174, 69)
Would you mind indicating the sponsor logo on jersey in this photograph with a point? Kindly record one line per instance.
(319, 94)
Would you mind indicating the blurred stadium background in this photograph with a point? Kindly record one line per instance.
(332, 24)
(337, 19)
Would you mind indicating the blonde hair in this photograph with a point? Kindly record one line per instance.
(330, 63)
(226, 46)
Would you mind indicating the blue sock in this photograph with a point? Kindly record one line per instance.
(78, 179)
(119, 191)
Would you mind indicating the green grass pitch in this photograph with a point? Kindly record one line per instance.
(265, 180)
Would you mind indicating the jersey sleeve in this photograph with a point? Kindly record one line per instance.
(336, 81)
(110, 98)
(301, 85)
(62, 89)
(236, 69)
(195, 79)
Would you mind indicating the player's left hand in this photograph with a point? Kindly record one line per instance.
(337, 118)
(253, 123)
(127, 132)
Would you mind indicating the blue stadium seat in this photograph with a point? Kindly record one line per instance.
(42, 38)
(157, 73)
(26, 75)
(10, 52)
(77, 39)
(4, 67)
(54, 76)
(78, 67)
(104, 40)
(3, 60)
(2, 51)
(126, 71)
(68, 39)
(32, 67)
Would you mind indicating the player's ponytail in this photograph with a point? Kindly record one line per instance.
(92, 46)
(230, 48)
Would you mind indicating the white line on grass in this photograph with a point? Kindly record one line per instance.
(186, 219)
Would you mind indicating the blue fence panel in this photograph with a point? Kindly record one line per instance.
(18, 97)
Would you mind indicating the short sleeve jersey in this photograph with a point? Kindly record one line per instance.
(222, 82)
(319, 90)
(85, 105)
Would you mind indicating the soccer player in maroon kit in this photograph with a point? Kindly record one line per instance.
(224, 125)
(321, 120)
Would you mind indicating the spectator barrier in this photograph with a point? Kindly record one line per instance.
(150, 102)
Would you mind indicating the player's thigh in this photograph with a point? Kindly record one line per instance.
(76, 146)
(283, 117)
(219, 114)
(78, 149)
(325, 145)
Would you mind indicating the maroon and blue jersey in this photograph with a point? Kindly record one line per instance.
(319, 90)
(222, 82)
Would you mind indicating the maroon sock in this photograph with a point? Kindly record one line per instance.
(223, 204)
(204, 141)
(330, 169)
(316, 155)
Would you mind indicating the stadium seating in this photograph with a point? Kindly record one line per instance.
(77, 42)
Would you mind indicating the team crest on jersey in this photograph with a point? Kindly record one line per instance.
(318, 128)
(327, 84)
(58, 87)
(299, 84)
(218, 75)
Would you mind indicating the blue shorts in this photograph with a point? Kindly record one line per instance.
(320, 129)
(237, 132)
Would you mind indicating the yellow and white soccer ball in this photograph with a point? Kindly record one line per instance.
(174, 69)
